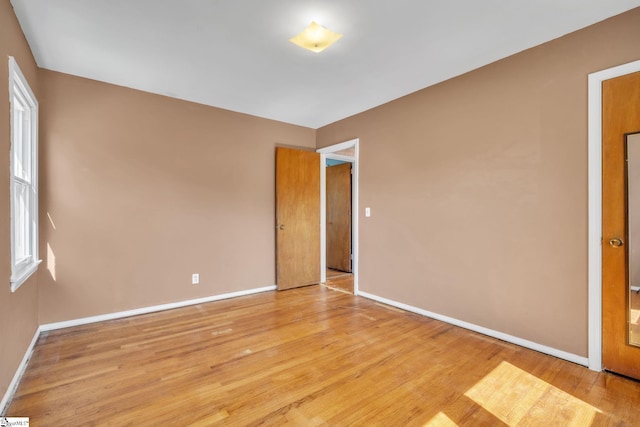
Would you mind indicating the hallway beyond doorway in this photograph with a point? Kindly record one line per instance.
(339, 280)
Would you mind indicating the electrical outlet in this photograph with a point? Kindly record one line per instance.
(195, 278)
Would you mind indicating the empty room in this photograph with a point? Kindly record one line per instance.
(257, 212)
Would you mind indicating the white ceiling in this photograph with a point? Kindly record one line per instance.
(236, 54)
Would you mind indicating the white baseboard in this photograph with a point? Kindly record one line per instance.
(13, 385)
(152, 309)
(93, 319)
(580, 360)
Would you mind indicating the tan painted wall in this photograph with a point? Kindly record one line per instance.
(140, 191)
(478, 189)
(18, 316)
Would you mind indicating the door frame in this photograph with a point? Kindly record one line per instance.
(330, 153)
(595, 206)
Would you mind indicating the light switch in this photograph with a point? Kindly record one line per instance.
(367, 212)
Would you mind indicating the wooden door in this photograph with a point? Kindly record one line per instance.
(620, 116)
(339, 217)
(297, 218)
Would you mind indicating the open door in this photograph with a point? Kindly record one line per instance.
(620, 302)
(339, 217)
(297, 218)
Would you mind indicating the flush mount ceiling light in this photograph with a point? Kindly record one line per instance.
(315, 38)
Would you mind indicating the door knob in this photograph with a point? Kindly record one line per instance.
(616, 242)
(281, 227)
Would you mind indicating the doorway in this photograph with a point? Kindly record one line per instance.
(598, 241)
(339, 219)
(334, 267)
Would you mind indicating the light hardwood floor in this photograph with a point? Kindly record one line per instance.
(309, 356)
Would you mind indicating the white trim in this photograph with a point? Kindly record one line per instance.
(355, 212)
(151, 309)
(329, 153)
(23, 274)
(13, 385)
(339, 147)
(19, 88)
(14, 68)
(595, 207)
(482, 330)
(323, 218)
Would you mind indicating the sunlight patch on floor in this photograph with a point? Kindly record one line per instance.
(513, 395)
(440, 420)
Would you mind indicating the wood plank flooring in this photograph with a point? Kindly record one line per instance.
(306, 357)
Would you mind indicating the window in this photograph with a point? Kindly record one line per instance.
(24, 177)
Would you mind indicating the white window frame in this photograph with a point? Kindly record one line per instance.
(20, 92)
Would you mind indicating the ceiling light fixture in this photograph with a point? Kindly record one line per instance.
(315, 38)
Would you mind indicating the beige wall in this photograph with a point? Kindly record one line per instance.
(478, 189)
(139, 191)
(18, 316)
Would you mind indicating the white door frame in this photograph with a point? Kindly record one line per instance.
(595, 206)
(330, 153)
